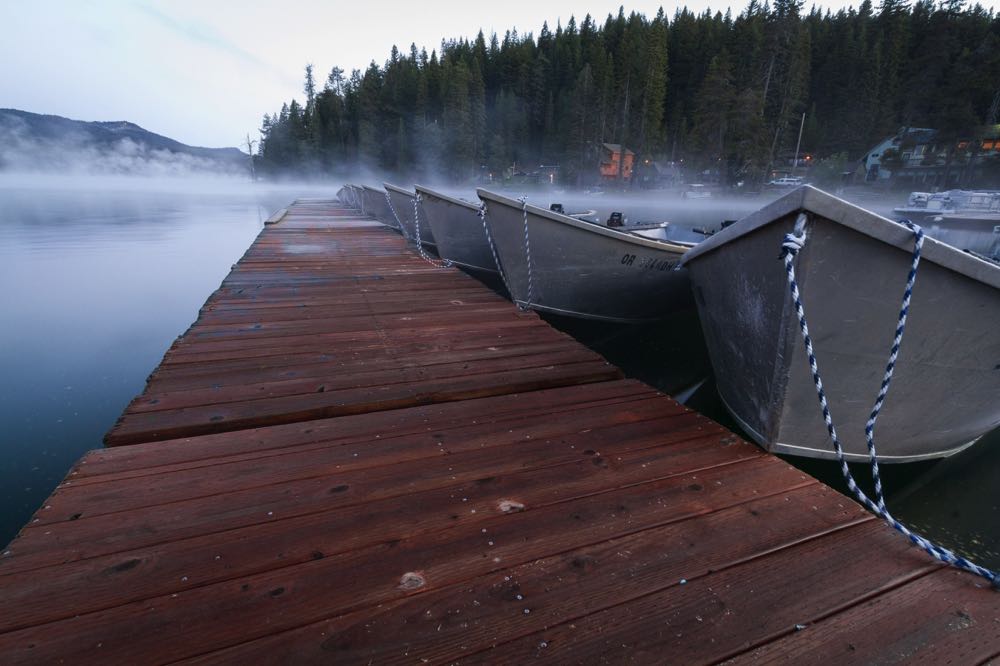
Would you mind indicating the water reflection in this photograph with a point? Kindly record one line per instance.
(98, 278)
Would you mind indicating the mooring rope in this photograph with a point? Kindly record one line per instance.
(527, 250)
(392, 209)
(445, 263)
(493, 249)
(794, 242)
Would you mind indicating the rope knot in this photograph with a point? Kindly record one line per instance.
(793, 243)
(918, 232)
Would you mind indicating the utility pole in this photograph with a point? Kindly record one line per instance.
(250, 144)
(798, 144)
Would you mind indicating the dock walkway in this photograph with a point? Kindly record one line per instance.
(353, 456)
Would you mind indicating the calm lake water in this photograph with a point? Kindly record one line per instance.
(99, 277)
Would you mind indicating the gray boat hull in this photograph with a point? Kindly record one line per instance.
(582, 269)
(945, 392)
(977, 233)
(402, 207)
(349, 195)
(456, 226)
(376, 205)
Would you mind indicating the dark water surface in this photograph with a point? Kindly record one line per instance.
(97, 278)
(96, 281)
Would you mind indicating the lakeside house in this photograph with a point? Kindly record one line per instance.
(611, 160)
(921, 156)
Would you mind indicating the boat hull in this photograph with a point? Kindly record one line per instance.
(945, 389)
(349, 195)
(376, 205)
(584, 270)
(977, 233)
(402, 208)
(459, 232)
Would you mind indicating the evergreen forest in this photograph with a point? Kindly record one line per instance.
(717, 93)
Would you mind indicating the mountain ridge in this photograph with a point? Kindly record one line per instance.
(47, 142)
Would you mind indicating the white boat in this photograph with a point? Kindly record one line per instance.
(966, 219)
(924, 205)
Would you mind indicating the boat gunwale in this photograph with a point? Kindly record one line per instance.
(590, 227)
(444, 197)
(399, 190)
(812, 200)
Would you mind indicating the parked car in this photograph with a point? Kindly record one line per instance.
(787, 181)
(697, 191)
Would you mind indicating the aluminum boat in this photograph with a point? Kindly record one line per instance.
(458, 229)
(583, 269)
(402, 207)
(376, 205)
(851, 272)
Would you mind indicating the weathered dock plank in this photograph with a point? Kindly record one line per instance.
(353, 456)
(385, 330)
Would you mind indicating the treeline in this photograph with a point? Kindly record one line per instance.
(720, 93)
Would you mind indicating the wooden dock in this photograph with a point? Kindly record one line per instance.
(353, 456)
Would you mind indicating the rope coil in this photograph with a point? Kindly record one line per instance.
(392, 209)
(791, 246)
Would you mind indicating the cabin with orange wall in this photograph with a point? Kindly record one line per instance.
(611, 153)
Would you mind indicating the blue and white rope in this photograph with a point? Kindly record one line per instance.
(527, 252)
(794, 242)
(392, 208)
(493, 249)
(446, 263)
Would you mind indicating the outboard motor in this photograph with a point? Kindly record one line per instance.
(616, 219)
(557, 208)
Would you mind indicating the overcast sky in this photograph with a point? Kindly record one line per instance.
(205, 71)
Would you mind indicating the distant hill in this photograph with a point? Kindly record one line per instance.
(41, 143)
